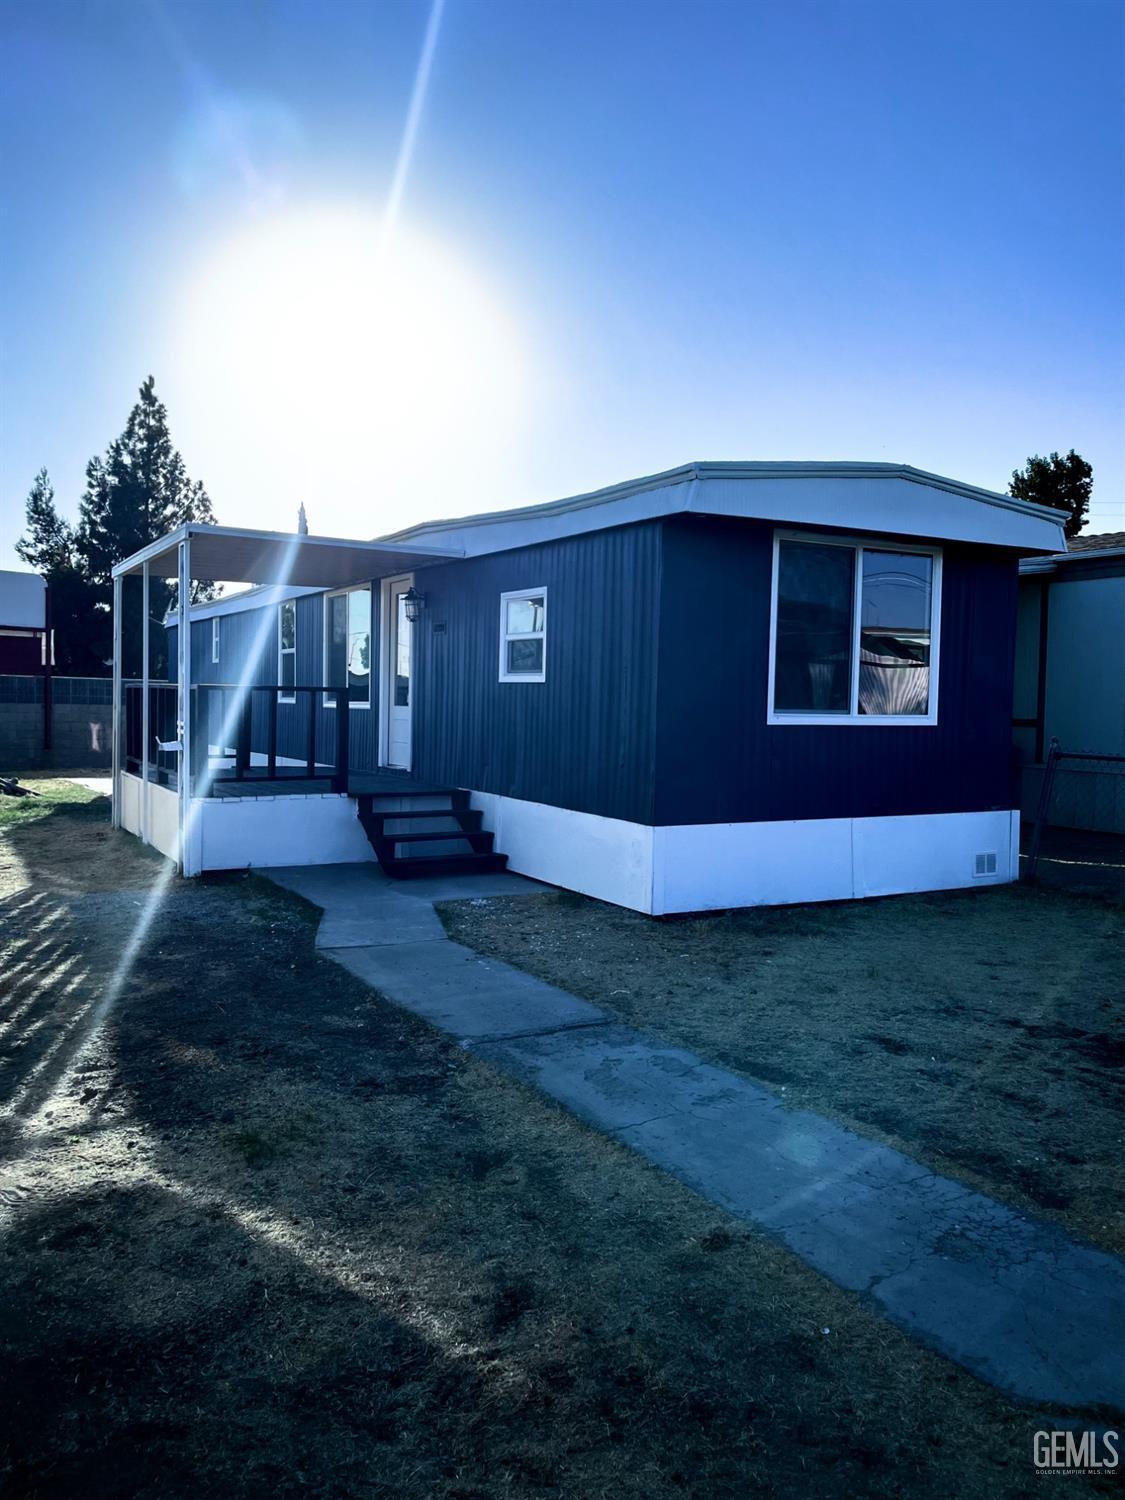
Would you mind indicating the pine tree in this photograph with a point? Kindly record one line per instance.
(1065, 483)
(49, 543)
(137, 493)
(48, 547)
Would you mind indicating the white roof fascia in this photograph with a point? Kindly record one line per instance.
(1061, 559)
(232, 547)
(261, 597)
(889, 499)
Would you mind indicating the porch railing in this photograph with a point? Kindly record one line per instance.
(162, 709)
(261, 732)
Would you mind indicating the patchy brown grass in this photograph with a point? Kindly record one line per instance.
(979, 1031)
(264, 1233)
(48, 793)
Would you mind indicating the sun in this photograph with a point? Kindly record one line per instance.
(316, 362)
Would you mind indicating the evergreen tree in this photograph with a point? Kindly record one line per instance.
(49, 543)
(1064, 483)
(137, 493)
(48, 547)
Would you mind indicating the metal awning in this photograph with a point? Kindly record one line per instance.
(232, 554)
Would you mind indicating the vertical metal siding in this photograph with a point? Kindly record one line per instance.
(584, 738)
(719, 761)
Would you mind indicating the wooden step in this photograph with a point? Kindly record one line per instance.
(451, 806)
(419, 866)
(376, 802)
(468, 817)
(477, 839)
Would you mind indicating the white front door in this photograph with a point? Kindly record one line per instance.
(398, 683)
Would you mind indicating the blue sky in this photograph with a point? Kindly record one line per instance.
(631, 234)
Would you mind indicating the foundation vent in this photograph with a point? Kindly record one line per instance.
(984, 864)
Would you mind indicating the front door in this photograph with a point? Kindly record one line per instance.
(398, 685)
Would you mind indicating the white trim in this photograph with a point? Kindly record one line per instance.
(529, 635)
(215, 633)
(238, 833)
(261, 597)
(884, 498)
(117, 716)
(387, 587)
(607, 858)
(185, 855)
(283, 651)
(156, 805)
(145, 726)
(858, 545)
(279, 545)
(717, 866)
(328, 700)
(706, 470)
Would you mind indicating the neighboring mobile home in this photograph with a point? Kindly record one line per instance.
(23, 623)
(728, 684)
(1070, 680)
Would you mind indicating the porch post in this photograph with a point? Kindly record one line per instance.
(183, 700)
(144, 703)
(116, 726)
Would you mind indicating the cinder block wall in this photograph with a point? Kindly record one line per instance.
(80, 724)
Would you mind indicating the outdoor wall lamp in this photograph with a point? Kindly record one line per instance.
(415, 603)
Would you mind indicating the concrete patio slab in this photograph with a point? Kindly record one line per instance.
(1013, 1299)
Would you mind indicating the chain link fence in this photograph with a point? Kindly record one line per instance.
(1082, 792)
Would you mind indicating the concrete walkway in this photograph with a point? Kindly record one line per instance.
(1013, 1299)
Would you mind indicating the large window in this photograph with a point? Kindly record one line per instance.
(855, 631)
(523, 636)
(287, 650)
(347, 647)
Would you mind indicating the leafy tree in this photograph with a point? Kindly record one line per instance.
(48, 547)
(1064, 483)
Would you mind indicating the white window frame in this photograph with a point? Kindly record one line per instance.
(214, 638)
(531, 635)
(283, 696)
(858, 545)
(329, 699)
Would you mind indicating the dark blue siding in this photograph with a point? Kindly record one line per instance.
(654, 707)
(719, 761)
(585, 738)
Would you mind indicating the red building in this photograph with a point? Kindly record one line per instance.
(23, 621)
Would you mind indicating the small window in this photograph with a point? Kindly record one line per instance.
(523, 636)
(854, 633)
(347, 647)
(287, 650)
(215, 638)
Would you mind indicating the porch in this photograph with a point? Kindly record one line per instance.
(225, 774)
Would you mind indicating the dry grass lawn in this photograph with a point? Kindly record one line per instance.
(979, 1031)
(264, 1234)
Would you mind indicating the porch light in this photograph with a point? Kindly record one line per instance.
(414, 603)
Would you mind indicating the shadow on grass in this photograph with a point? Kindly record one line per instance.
(271, 1234)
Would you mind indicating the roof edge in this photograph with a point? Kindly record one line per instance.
(733, 469)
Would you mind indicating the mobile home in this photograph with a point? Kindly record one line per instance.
(723, 685)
